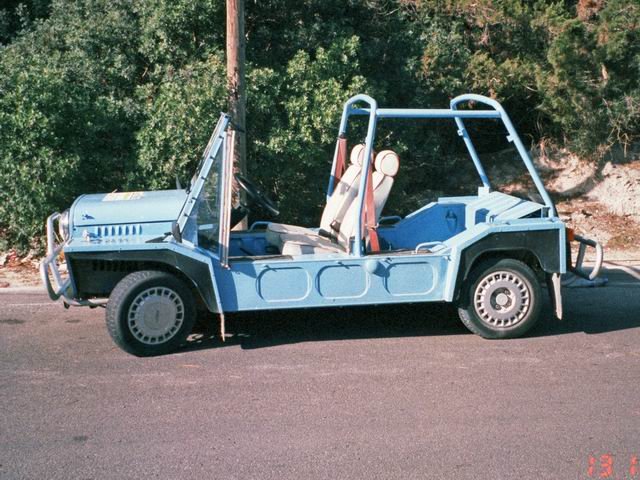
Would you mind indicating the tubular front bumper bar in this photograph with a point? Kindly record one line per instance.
(61, 287)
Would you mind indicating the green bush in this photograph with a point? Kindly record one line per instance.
(67, 118)
(18, 15)
(294, 128)
(180, 114)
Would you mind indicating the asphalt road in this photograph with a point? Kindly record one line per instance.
(369, 393)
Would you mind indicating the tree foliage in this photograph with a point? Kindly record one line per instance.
(103, 94)
(67, 111)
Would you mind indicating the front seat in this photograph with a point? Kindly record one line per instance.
(387, 164)
(337, 204)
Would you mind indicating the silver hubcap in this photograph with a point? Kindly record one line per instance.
(155, 315)
(502, 299)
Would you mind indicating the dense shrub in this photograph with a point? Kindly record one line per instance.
(294, 127)
(67, 116)
(180, 113)
(19, 15)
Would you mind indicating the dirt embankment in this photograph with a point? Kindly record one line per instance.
(601, 199)
(16, 271)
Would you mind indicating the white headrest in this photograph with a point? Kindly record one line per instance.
(387, 163)
(357, 154)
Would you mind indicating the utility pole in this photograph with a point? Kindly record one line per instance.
(236, 82)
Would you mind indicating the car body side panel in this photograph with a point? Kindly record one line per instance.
(316, 281)
(310, 281)
(300, 282)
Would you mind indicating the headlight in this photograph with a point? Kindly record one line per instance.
(63, 225)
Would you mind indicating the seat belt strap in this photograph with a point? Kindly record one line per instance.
(341, 160)
(370, 214)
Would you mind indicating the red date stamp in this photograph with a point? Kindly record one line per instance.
(603, 466)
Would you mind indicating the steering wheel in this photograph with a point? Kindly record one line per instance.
(255, 194)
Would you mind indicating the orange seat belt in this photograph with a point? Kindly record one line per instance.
(369, 214)
(341, 160)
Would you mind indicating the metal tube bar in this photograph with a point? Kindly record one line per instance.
(512, 137)
(224, 233)
(366, 166)
(347, 111)
(462, 131)
(427, 113)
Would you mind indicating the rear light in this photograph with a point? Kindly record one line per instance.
(571, 234)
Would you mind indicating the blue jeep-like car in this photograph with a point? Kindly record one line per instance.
(155, 259)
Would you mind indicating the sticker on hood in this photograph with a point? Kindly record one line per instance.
(122, 196)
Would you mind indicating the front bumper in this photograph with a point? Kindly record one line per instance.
(60, 287)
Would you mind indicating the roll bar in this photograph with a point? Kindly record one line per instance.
(513, 137)
(371, 132)
(374, 113)
(346, 112)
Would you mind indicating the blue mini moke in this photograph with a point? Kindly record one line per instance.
(156, 259)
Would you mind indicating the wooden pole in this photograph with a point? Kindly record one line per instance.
(236, 82)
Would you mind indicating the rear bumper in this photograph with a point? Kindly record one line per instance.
(577, 268)
(554, 280)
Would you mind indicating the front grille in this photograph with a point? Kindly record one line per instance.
(118, 230)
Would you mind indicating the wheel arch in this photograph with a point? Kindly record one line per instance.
(540, 250)
(96, 274)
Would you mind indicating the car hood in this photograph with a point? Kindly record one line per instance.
(127, 207)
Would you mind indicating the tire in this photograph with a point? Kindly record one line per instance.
(150, 313)
(501, 298)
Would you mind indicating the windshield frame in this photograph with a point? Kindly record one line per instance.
(226, 194)
(201, 176)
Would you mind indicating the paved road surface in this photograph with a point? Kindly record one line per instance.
(370, 393)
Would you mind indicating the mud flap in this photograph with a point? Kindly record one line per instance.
(555, 293)
(223, 331)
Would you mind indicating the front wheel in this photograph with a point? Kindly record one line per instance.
(500, 299)
(150, 313)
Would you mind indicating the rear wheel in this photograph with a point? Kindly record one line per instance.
(500, 299)
(150, 313)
